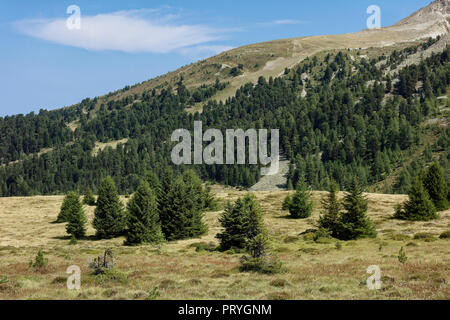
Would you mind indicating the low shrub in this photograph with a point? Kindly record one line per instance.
(445, 235)
(153, 293)
(427, 237)
(203, 246)
(399, 237)
(402, 258)
(112, 275)
(40, 261)
(263, 265)
(279, 283)
(290, 239)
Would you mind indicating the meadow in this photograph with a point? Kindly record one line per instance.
(321, 269)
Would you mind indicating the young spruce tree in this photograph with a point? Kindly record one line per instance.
(76, 218)
(69, 201)
(330, 218)
(436, 186)
(300, 206)
(163, 200)
(143, 221)
(418, 207)
(354, 222)
(152, 179)
(183, 213)
(89, 198)
(241, 222)
(109, 216)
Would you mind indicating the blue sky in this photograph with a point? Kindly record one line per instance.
(45, 65)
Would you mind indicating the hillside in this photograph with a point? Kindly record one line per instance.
(271, 58)
(371, 104)
(316, 269)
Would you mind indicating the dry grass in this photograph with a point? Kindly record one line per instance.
(315, 271)
(100, 146)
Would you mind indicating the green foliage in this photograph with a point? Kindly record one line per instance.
(402, 258)
(4, 279)
(241, 222)
(445, 235)
(427, 237)
(436, 186)
(76, 217)
(70, 201)
(204, 246)
(184, 205)
(152, 179)
(330, 218)
(341, 128)
(73, 241)
(300, 206)
(40, 261)
(338, 245)
(259, 261)
(163, 198)
(89, 198)
(154, 293)
(109, 216)
(354, 222)
(111, 275)
(210, 202)
(143, 221)
(286, 203)
(321, 234)
(418, 207)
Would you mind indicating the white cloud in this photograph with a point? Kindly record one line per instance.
(128, 31)
(287, 21)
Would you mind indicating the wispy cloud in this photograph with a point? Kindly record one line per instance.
(128, 31)
(281, 22)
(288, 21)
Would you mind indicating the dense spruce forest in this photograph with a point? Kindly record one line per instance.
(339, 117)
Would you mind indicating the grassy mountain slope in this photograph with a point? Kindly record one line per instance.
(272, 57)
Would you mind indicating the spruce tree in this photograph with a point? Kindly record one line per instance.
(300, 206)
(163, 200)
(89, 198)
(183, 217)
(76, 218)
(152, 179)
(418, 207)
(287, 201)
(354, 223)
(436, 186)
(241, 222)
(109, 216)
(69, 201)
(194, 189)
(210, 202)
(330, 218)
(143, 221)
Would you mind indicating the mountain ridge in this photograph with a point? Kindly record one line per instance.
(274, 56)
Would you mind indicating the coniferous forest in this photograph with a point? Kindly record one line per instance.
(355, 120)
